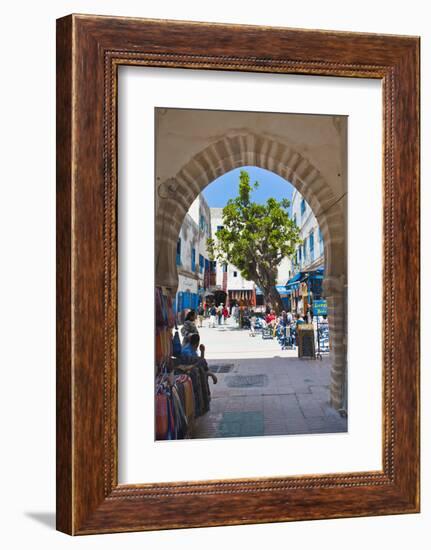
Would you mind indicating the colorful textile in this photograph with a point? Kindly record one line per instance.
(161, 416)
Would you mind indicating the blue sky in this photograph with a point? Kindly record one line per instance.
(225, 187)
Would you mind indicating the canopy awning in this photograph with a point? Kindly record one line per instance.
(316, 274)
(294, 279)
(293, 283)
(283, 291)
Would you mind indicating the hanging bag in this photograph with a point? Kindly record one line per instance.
(176, 343)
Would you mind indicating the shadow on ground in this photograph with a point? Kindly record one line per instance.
(45, 518)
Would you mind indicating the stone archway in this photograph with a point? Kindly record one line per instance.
(243, 147)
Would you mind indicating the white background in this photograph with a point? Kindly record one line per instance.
(27, 121)
(141, 458)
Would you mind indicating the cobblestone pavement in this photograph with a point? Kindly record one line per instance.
(263, 390)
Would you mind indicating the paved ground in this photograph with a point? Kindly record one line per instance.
(263, 390)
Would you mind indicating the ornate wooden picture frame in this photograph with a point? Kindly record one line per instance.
(89, 51)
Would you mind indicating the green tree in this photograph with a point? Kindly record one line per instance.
(255, 238)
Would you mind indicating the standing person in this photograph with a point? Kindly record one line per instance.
(297, 320)
(219, 313)
(282, 328)
(189, 327)
(201, 313)
(235, 313)
(270, 317)
(225, 314)
(289, 317)
(213, 313)
(252, 323)
(207, 309)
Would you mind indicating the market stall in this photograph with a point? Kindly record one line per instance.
(181, 390)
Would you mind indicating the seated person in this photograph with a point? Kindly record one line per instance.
(189, 355)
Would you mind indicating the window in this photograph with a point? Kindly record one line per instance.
(193, 259)
(235, 273)
(304, 251)
(224, 268)
(201, 263)
(214, 266)
(311, 244)
(320, 241)
(202, 223)
(294, 219)
(219, 227)
(179, 252)
(300, 253)
(303, 207)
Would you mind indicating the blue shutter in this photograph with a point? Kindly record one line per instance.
(180, 304)
(179, 252)
(303, 207)
(193, 260)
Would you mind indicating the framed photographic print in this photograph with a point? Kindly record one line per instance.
(237, 274)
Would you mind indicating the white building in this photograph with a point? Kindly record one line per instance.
(193, 264)
(310, 254)
(304, 288)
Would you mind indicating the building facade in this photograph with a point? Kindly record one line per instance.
(310, 254)
(308, 262)
(193, 264)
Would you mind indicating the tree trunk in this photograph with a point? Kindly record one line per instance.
(265, 278)
(272, 298)
(275, 299)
